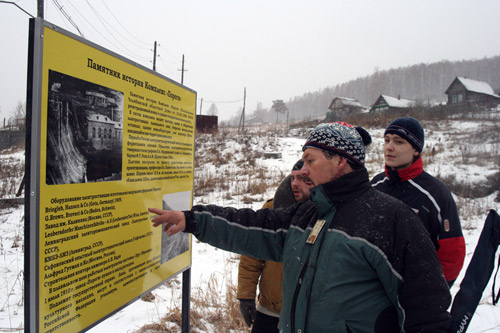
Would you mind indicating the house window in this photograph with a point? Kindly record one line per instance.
(460, 98)
(454, 99)
(93, 132)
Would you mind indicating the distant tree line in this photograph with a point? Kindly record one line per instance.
(425, 83)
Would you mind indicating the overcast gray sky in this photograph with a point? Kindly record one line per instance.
(277, 49)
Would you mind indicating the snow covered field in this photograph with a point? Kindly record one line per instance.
(457, 151)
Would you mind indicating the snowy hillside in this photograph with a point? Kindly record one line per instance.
(237, 170)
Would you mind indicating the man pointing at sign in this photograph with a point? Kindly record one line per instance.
(355, 259)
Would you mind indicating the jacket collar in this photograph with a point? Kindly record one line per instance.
(405, 174)
(343, 189)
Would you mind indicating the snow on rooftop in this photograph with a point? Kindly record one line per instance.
(352, 101)
(477, 86)
(399, 102)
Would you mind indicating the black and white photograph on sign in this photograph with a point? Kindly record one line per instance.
(172, 246)
(84, 131)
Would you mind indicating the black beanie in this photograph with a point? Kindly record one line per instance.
(283, 197)
(298, 165)
(409, 129)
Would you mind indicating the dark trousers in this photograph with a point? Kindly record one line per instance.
(265, 324)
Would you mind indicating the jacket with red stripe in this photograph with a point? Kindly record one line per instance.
(434, 204)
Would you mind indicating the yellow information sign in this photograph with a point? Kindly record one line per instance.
(114, 139)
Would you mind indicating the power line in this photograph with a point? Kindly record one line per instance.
(166, 67)
(105, 26)
(224, 102)
(123, 48)
(115, 42)
(83, 17)
(170, 54)
(15, 4)
(63, 20)
(90, 24)
(137, 39)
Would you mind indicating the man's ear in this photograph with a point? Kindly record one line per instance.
(343, 165)
(342, 161)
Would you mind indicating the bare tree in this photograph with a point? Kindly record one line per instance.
(260, 112)
(212, 110)
(18, 119)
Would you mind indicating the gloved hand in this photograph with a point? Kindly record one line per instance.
(247, 308)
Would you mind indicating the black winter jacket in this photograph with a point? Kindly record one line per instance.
(434, 205)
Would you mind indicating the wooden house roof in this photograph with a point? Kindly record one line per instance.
(396, 102)
(474, 86)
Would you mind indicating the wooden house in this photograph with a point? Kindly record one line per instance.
(388, 103)
(343, 106)
(464, 91)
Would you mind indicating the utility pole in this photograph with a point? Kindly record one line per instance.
(186, 275)
(244, 102)
(40, 8)
(182, 70)
(154, 57)
(242, 118)
(201, 105)
(287, 123)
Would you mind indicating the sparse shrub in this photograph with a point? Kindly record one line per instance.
(464, 152)
(467, 190)
(467, 210)
(247, 200)
(257, 186)
(251, 162)
(11, 171)
(209, 310)
(204, 184)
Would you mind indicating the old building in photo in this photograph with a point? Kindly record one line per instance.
(103, 132)
(84, 131)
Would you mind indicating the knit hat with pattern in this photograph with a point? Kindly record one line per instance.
(409, 129)
(338, 138)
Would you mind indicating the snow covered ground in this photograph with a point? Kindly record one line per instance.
(449, 142)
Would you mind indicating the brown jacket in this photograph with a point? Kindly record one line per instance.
(270, 273)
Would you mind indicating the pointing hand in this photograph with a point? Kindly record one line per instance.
(174, 221)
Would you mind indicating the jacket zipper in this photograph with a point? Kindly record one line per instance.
(296, 294)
